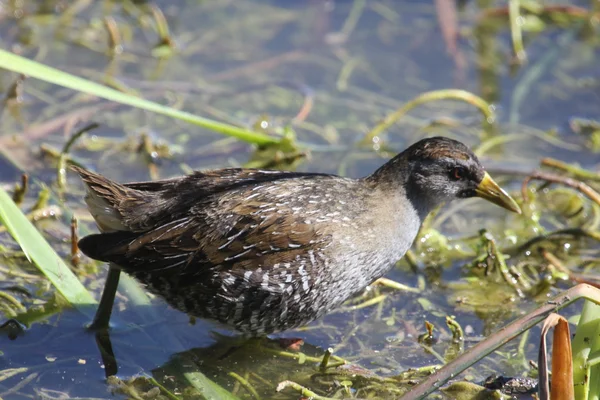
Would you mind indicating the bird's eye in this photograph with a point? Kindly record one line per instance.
(458, 173)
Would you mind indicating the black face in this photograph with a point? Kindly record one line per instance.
(447, 178)
(443, 169)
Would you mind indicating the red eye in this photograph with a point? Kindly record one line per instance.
(458, 173)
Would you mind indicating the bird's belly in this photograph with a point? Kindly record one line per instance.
(259, 302)
(249, 306)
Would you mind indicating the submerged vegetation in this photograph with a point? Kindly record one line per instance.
(141, 90)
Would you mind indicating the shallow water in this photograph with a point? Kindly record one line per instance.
(256, 64)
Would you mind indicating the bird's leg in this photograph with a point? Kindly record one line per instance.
(102, 317)
(106, 352)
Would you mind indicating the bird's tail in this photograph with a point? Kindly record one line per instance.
(114, 206)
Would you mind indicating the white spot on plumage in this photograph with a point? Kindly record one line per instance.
(265, 281)
(301, 270)
(229, 279)
(230, 239)
(305, 283)
(311, 255)
(243, 253)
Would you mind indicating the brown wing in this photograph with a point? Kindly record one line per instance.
(142, 206)
(190, 246)
(246, 226)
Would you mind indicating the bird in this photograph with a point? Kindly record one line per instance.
(264, 251)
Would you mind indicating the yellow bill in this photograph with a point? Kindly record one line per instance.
(489, 190)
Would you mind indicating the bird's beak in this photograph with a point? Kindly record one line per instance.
(489, 190)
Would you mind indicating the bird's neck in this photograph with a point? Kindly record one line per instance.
(393, 173)
(394, 177)
(423, 201)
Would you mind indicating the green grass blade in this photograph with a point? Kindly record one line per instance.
(183, 365)
(587, 341)
(208, 388)
(43, 72)
(43, 256)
